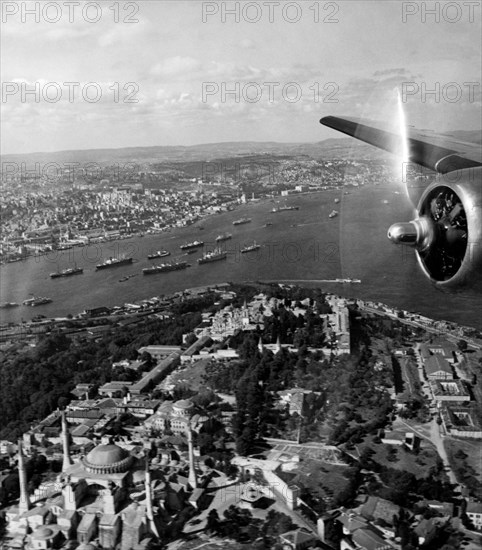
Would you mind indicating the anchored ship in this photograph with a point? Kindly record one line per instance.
(348, 280)
(250, 248)
(241, 221)
(114, 262)
(277, 209)
(214, 256)
(194, 244)
(67, 272)
(36, 301)
(7, 305)
(158, 254)
(164, 268)
(224, 237)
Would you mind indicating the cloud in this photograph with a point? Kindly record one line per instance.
(387, 72)
(175, 66)
(247, 44)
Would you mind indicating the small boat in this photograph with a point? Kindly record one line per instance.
(333, 214)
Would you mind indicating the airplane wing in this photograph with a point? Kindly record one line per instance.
(441, 153)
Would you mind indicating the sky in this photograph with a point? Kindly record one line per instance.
(184, 72)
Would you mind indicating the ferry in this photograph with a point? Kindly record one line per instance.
(36, 301)
(242, 221)
(224, 237)
(114, 262)
(214, 256)
(250, 248)
(333, 214)
(158, 254)
(164, 268)
(67, 272)
(277, 209)
(194, 244)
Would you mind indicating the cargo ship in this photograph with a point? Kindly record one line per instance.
(194, 244)
(348, 280)
(7, 305)
(67, 272)
(114, 262)
(36, 301)
(214, 256)
(277, 209)
(241, 221)
(250, 248)
(164, 268)
(333, 214)
(224, 237)
(158, 254)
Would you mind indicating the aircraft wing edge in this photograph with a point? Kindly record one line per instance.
(420, 151)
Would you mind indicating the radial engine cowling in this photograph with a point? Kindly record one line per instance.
(447, 234)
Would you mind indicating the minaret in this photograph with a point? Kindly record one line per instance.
(149, 509)
(278, 344)
(24, 503)
(67, 461)
(260, 345)
(192, 471)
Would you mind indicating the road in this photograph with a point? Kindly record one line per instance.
(436, 438)
(453, 338)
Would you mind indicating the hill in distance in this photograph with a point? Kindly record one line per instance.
(326, 149)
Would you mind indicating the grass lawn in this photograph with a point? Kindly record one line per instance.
(470, 465)
(190, 375)
(419, 465)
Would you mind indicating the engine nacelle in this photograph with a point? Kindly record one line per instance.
(447, 234)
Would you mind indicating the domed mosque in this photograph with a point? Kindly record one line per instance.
(94, 504)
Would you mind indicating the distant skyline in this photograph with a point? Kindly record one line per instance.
(182, 61)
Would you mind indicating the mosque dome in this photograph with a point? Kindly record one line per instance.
(183, 407)
(108, 459)
(45, 532)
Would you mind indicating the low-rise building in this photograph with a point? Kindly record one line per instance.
(449, 390)
(474, 512)
(437, 367)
